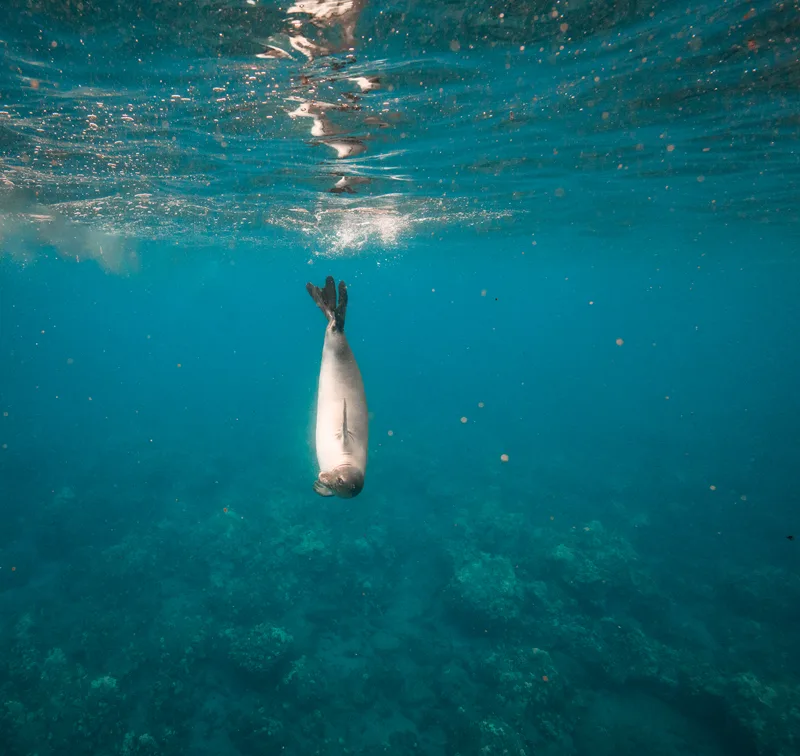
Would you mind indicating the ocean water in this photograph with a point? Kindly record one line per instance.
(569, 233)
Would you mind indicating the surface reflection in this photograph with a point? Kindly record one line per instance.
(323, 32)
(332, 24)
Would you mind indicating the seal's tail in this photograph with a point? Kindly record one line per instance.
(326, 301)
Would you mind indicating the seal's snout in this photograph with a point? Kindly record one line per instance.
(345, 482)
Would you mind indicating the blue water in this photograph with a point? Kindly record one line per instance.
(569, 236)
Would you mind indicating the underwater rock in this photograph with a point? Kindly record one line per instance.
(529, 692)
(142, 745)
(598, 570)
(768, 712)
(620, 652)
(258, 649)
(497, 738)
(307, 680)
(310, 545)
(103, 709)
(487, 588)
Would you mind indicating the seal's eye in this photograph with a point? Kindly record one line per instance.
(340, 480)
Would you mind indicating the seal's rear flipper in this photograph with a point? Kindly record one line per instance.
(326, 301)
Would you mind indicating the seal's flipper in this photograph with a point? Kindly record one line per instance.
(326, 301)
(325, 298)
(341, 309)
(344, 433)
(322, 490)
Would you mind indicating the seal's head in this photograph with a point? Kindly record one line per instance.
(345, 481)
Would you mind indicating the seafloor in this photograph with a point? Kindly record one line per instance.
(163, 606)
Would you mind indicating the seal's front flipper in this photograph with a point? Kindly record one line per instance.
(326, 301)
(322, 490)
(344, 434)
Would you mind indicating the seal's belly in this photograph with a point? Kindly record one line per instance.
(339, 381)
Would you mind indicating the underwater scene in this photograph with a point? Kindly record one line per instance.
(415, 377)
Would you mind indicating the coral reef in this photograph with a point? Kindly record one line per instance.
(487, 633)
(258, 649)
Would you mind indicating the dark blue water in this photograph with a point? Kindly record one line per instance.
(569, 237)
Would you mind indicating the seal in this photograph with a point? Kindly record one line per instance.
(342, 431)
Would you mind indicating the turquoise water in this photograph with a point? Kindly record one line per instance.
(569, 235)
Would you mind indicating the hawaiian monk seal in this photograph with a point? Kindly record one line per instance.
(342, 423)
